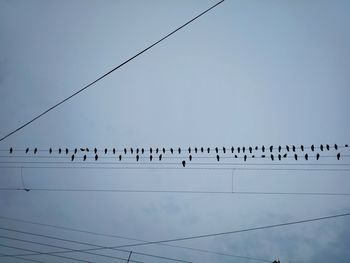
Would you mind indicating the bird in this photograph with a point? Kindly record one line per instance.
(336, 146)
(321, 147)
(67, 151)
(338, 156)
(189, 149)
(346, 145)
(131, 150)
(84, 158)
(232, 149)
(179, 150)
(279, 157)
(263, 148)
(256, 148)
(125, 150)
(293, 148)
(142, 151)
(82, 149)
(216, 149)
(72, 159)
(195, 150)
(287, 147)
(137, 158)
(50, 150)
(95, 150)
(243, 149)
(106, 150)
(120, 157)
(163, 150)
(113, 150)
(59, 150)
(238, 149)
(317, 156)
(160, 157)
(87, 149)
(250, 149)
(223, 149)
(279, 148)
(302, 147)
(285, 155)
(27, 150)
(96, 157)
(202, 149)
(306, 157)
(236, 156)
(75, 150)
(272, 157)
(11, 150)
(150, 158)
(263, 156)
(253, 156)
(190, 157)
(183, 163)
(217, 157)
(35, 150)
(245, 157)
(137, 150)
(208, 150)
(312, 147)
(271, 148)
(296, 157)
(157, 150)
(327, 147)
(171, 150)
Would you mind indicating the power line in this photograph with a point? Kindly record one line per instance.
(128, 238)
(112, 70)
(173, 191)
(26, 259)
(208, 235)
(83, 243)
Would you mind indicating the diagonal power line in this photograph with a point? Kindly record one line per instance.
(197, 236)
(109, 72)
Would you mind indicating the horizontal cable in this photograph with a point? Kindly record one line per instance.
(26, 259)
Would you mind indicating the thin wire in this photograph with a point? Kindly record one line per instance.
(173, 191)
(112, 70)
(210, 235)
(69, 250)
(25, 259)
(128, 238)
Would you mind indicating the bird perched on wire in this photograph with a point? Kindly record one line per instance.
(312, 148)
(245, 157)
(171, 150)
(272, 157)
(296, 157)
(67, 150)
(217, 157)
(250, 149)
(338, 156)
(50, 150)
(35, 150)
(96, 157)
(223, 149)
(216, 149)
(160, 157)
(72, 158)
(131, 150)
(189, 149)
(157, 150)
(336, 146)
(279, 148)
(202, 149)
(190, 157)
(321, 147)
(287, 148)
(106, 150)
(317, 156)
(238, 149)
(84, 158)
(120, 157)
(183, 163)
(59, 150)
(243, 149)
(279, 157)
(285, 155)
(195, 150)
(142, 151)
(11, 150)
(163, 150)
(232, 149)
(27, 150)
(263, 148)
(302, 147)
(306, 157)
(327, 147)
(179, 150)
(271, 148)
(208, 150)
(113, 150)
(95, 150)
(293, 147)
(150, 158)
(125, 150)
(137, 158)
(263, 156)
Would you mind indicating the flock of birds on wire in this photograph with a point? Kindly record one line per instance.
(266, 152)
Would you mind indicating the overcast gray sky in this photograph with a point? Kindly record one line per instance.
(250, 72)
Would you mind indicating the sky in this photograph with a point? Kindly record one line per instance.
(250, 72)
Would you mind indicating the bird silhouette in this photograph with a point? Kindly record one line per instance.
(27, 150)
(223, 149)
(87, 149)
(189, 149)
(312, 147)
(272, 157)
(96, 157)
(321, 147)
(239, 149)
(183, 163)
(236, 156)
(253, 156)
(302, 147)
(72, 159)
(67, 151)
(131, 150)
(271, 148)
(171, 150)
(263, 148)
(106, 150)
(190, 157)
(157, 150)
(35, 150)
(306, 157)
(285, 155)
(256, 148)
(243, 149)
(113, 150)
(245, 157)
(293, 148)
(137, 158)
(346, 145)
(59, 150)
(150, 158)
(82, 149)
(75, 151)
(317, 156)
(95, 150)
(84, 158)
(296, 157)
(208, 150)
(217, 157)
(125, 150)
(137, 150)
(216, 149)
(327, 147)
(279, 148)
(160, 157)
(195, 150)
(142, 151)
(338, 156)
(263, 156)
(336, 146)
(250, 149)
(279, 157)
(232, 149)
(179, 150)
(50, 150)
(202, 149)
(163, 150)
(11, 150)
(120, 157)
(287, 147)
